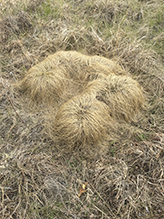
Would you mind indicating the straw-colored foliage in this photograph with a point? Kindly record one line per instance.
(42, 163)
(90, 93)
(44, 86)
(49, 79)
(82, 119)
(122, 95)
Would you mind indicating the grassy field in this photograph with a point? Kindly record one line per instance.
(37, 179)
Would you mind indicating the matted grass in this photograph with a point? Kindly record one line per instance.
(102, 95)
(82, 120)
(63, 72)
(36, 179)
(121, 94)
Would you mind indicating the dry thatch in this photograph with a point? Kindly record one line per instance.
(88, 92)
(82, 119)
(62, 73)
(81, 66)
(121, 94)
(44, 86)
(36, 180)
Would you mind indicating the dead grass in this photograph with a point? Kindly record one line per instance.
(36, 179)
(44, 86)
(82, 120)
(121, 94)
(63, 72)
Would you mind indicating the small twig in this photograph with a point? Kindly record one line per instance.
(13, 76)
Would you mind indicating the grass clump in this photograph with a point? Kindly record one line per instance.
(82, 120)
(62, 73)
(124, 170)
(43, 86)
(121, 94)
(75, 123)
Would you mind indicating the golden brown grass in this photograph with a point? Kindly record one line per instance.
(62, 72)
(37, 180)
(89, 93)
(82, 120)
(43, 86)
(123, 95)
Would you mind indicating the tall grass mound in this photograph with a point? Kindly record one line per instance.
(62, 71)
(82, 120)
(44, 86)
(83, 65)
(91, 94)
(121, 94)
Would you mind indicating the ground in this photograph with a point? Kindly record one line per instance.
(37, 179)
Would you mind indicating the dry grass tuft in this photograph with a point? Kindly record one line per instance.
(80, 67)
(64, 72)
(43, 86)
(125, 169)
(121, 94)
(82, 120)
(89, 93)
(113, 66)
(14, 25)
